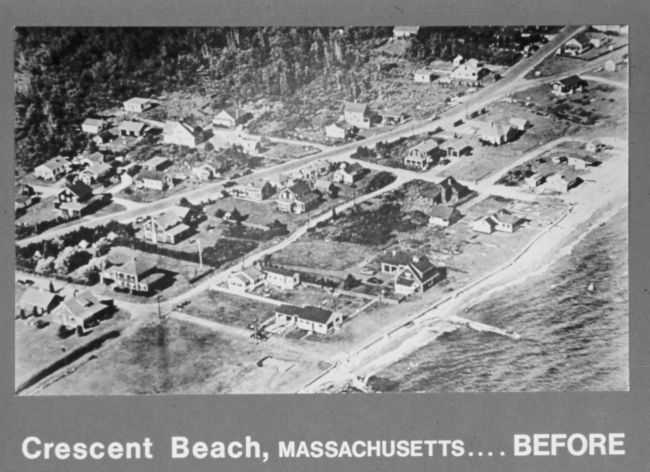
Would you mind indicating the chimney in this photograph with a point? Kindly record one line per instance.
(416, 258)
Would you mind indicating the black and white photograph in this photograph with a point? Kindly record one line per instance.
(359, 209)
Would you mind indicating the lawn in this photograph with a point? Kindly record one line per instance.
(338, 257)
(321, 298)
(229, 309)
(288, 151)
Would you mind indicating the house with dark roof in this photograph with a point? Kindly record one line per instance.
(280, 278)
(229, 117)
(298, 198)
(309, 318)
(443, 216)
(76, 192)
(39, 302)
(131, 128)
(457, 147)
(92, 125)
(348, 173)
(447, 191)
(103, 137)
(420, 157)
(577, 45)
(502, 220)
(413, 273)
(186, 132)
(153, 179)
(257, 190)
(169, 227)
(359, 114)
(569, 85)
(405, 31)
(80, 311)
(134, 275)
(155, 163)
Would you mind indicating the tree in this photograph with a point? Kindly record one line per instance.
(63, 332)
(51, 287)
(236, 216)
(350, 282)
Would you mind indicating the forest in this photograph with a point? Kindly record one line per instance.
(64, 75)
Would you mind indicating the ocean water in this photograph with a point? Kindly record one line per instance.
(573, 339)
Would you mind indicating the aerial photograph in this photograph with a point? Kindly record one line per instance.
(251, 210)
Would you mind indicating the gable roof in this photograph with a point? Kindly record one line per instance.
(188, 125)
(155, 161)
(37, 298)
(493, 129)
(84, 306)
(93, 122)
(172, 217)
(424, 72)
(504, 216)
(233, 112)
(278, 271)
(581, 38)
(441, 211)
(151, 175)
(571, 80)
(134, 126)
(137, 101)
(134, 266)
(99, 168)
(300, 188)
(55, 162)
(80, 189)
(308, 313)
(425, 146)
(353, 107)
(353, 168)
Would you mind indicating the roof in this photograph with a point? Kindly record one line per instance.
(104, 135)
(99, 168)
(504, 216)
(571, 80)
(181, 228)
(587, 159)
(519, 121)
(233, 112)
(135, 266)
(137, 101)
(189, 124)
(155, 161)
(55, 162)
(581, 38)
(406, 29)
(72, 206)
(353, 107)
(151, 175)
(396, 258)
(134, 126)
(37, 298)
(93, 122)
(278, 270)
(442, 212)
(259, 184)
(426, 146)
(96, 157)
(494, 129)
(300, 187)
(278, 178)
(174, 215)
(84, 306)
(353, 168)
(424, 72)
(307, 197)
(308, 312)
(391, 113)
(80, 189)
(458, 144)
(322, 184)
(253, 273)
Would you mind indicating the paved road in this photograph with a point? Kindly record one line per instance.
(615, 83)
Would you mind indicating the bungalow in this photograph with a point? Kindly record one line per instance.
(280, 180)
(246, 280)
(424, 76)
(257, 190)
(183, 133)
(168, 227)
(358, 114)
(37, 302)
(281, 278)
(458, 148)
(569, 85)
(137, 105)
(131, 128)
(94, 158)
(520, 124)
(577, 45)
(250, 143)
(405, 31)
(348, 173)
(458, 60)
(308, 318)
(313, 170)
(80, 311)
(562, 182)
(417, 276)
(53, 169)
(421, 156)
(471, 70)
(155, 163)
(102, 138)
(204, 172)
(495, 133)
(76, 192)
(535, 180)
(92, 126)
(340, 130)
(95, 173)
(228, 117)
(134, 275)
(443, 216)
(298, 198)
(154, 180)
(447, 191)
(323, 186)
(502, 220)
(391, 117)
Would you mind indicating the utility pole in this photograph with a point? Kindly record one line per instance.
(158, 299)
(200, 256)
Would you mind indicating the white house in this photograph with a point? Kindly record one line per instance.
(281, 278)
(471, 70)
(358, 114)
(348, 173)
(246, 280)
(405, 31)
(309, 318)
(228, 117)
(92, 125)
(183, 133)
(53, 169)
(424, 76)
(137, 105)
(422, 155)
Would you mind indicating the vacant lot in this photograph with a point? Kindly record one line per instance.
(320, 298)
(229, 309)
(288, 151)
(322, 254)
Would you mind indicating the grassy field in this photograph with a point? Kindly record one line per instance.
(327, 255)
(229, 309)
(320, 298)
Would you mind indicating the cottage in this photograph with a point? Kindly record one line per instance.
(169, 227)
(53, 169)
(137, 105)
(131, 128)
(358, 114)
(495, 133)
(102, 138)
(92, 126)
(313, 170)
(308, 318)
(76, 192)
(93, 159)
(155, 163)
(183, 133)
(443, 216)
(135, 275)
(472, 70)
(340, 130)
(80, 311)
(391, 117)
(535, 180)
(204, 172)
(323, 186)
(153, 179)
(502, 220)
(95, 173)
(447, 191)
(424, 76)
(577, 45)
(421, 156)
(405, 31)
(520, 124)
(281, 278)
(229, 117)
(250, 143)
(569, 85)
(37, 302)
(458, 148)
(280, 180)
(349, 173)
(298, 198)
(257, 190)
(246, 280)
(417, 276)
(458, 60)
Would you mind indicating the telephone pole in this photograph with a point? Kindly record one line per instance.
(200, 256)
